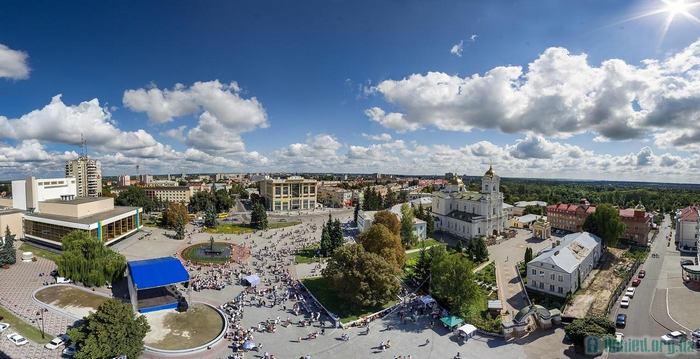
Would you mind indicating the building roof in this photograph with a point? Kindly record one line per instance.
(689, 214)
(506, 205)
(468, 195)
(530, 203)
(8, 210)
(78, 200)
(157, 272)
(528, 218)
(568, 255)
(571, 208)
(463, 216)
(87, 219)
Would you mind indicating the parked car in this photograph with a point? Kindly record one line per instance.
(625, 302)
(674, 337)
(63, 280)
(618, 337)
(56, 342)
(695, 333)
(69, 351)
(642, 273)
(621, 320)
(3, 326)
(17, 339)
(630, 292)
(636, 282)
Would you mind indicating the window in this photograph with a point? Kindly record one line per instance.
(534, 271)
(561, 279)
(534, 283)
(561, 290)
(541, 273)
(541, 285)
(551, 276)
(551, 287)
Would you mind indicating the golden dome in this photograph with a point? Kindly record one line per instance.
(490, 172)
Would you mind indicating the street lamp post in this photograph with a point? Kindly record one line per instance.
(40, 316)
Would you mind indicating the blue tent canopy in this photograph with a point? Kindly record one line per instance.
(157, 272)
(252, 280)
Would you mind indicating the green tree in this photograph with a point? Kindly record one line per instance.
(429, 224)
(357, 212)
(528, 255)
(8, 255)
(222, 201)
(326, 246)
(361, 278)
(86, 260)
(390, 200)
(379, 240)
(258, 217)
(580, 328)
(135, 197)
(605, 223)
(408, 238)
(422, 270)
(200, 201)
(175, 216)
(479, 250)
(210, 216)
(113, 330)
(388, 220)
(336, 234)
(452, 280)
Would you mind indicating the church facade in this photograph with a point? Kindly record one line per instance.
(468, 214)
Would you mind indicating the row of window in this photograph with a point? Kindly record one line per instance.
(551, 276)
(560, 289)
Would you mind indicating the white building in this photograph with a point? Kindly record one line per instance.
(561, 269)
(124, 181)
(687, 226)
(88, 176)
(469, 214)
(27, 193)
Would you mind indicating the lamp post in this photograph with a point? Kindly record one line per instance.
(40, 316)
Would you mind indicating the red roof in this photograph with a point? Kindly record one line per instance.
(570, 208)
(689, 214)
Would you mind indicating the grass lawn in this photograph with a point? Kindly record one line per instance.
(487, 274)
(233, 228)
(40, 252)
(479, 316)
(322, 290)
(25, 329)
(191, 253)
(307, 255)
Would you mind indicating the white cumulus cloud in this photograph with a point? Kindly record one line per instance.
(13, 63)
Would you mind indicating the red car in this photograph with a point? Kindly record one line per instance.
(642, 273)
(636, 282)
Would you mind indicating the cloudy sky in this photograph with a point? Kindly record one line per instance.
(556, 89)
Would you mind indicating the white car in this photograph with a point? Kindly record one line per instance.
(62, 280)
(69, 351)
(674, 337)
(618, 337)
(625, 302)
(630, 292)
(3, 326)
(56, 342)
(17, 339)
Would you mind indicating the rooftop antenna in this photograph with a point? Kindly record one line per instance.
(83, 145)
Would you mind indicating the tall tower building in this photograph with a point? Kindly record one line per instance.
(87, 174)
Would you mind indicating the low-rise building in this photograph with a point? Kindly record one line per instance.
(335, 197)
(561, 270)
(179, 194)
(288, 194)
(568, 216)
(637, 223)
(687, 226)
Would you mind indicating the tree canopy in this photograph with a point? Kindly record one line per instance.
(360, 277)
(222, 200)
(389, 221)
(86, 260)
(135, 197)
(8, 255)
(175, 216)
(408, 238)
(379, 240)
(476, 249)
(113, 330)
(258, 217)
(605, 223)
(331, 236)
(580, 328)
(452, 279)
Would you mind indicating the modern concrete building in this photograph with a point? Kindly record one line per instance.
(288, 194)
(124, 181)
(687, 227)
(180, 194)
(27, 193)
(569, 217)
(561, 269)
(88, 176)
(11, 218)
(469, 214)
(97, 216)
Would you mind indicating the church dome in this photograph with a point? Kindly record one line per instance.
(490, 172)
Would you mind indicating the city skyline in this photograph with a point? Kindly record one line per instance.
(570, 91)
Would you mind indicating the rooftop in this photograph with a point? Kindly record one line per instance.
(78, 200)
(157, 272)
(84, 220)
(569, 254)
(463, 216)
(8, 210)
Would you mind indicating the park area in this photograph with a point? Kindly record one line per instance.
(322, 289)
(172, 330)
(71, 299)
(235, 228)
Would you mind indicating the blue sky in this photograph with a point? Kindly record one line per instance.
(315, 69)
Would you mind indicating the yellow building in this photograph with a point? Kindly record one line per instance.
(288, 194)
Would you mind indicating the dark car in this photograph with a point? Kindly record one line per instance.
(636, 282)
(642, 273)
(621, 320)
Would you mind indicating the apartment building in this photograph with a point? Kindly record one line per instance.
(88, 175)
(569, 217)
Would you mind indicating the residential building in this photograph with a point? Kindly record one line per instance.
(509, 209)
(27, 193)
(88, 176)
(561, 270)
(637, 224)
(162, 183)
(335, 197)
(569, 217)
(97, 216)
(687, 227)
(145, 179)
(124, 181)
(469, 214)
(288, 194)
(180, 194)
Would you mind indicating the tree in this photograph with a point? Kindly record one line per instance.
(528, 255)
(605, 223)
(336, 234)
(390, 200)
(379, 240)
(8, 255)
(222, 201)
(423, 268)
(361, 278)
(258, 217)
(201, 200)
(210, 216)
(357, 212)
(479, 250)
(388, 220)
(452, 280)
(429, 224)
(408, 238)
(113, 330)
(175, 217)
(326, 246)
(581, 328)
(135, 197)
(85, 259)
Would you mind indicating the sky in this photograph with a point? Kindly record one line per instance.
(588, 89)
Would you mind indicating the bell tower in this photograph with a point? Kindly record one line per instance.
(490, 182)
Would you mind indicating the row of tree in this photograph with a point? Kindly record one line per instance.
(374, 201)
(425, 215)
(220, 201)
(331, 237)
(475, 249)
